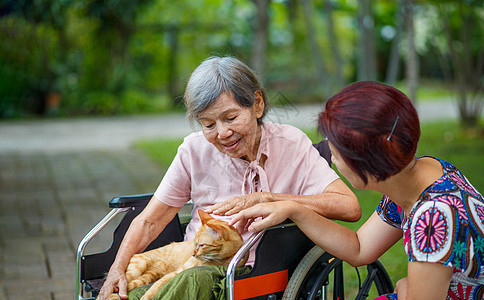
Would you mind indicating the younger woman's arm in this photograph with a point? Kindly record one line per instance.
(357, 248)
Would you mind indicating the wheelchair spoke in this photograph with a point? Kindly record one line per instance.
(338, 283)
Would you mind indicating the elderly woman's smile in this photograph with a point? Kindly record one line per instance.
(231, 128)
(232, 146)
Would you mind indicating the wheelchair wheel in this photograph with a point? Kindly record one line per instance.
(320, 275)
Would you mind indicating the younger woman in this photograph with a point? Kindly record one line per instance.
(373, 130)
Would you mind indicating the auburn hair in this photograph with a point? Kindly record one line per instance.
(374, 127)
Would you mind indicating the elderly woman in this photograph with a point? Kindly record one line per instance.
(236, 161)
(427, 201)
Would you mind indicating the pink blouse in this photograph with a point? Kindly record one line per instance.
(201, 173)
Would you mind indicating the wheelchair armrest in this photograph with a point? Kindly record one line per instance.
(275, 261)
(230, 277)
(130, 201)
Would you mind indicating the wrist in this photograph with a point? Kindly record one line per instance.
(294, 210)
(117, 267)
(268, 197)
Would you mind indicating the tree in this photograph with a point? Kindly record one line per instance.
(114, 31)
(366, 53)
(394, 57)
(411, 60)
(339, 81)
(464, 31)
(34, 44)
(258, 57)
(321, 71)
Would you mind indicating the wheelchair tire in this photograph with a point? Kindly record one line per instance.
(301, 276)
(312, 276)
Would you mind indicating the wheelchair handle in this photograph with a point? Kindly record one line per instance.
(235, 261)
(83, 244)
(130, 201)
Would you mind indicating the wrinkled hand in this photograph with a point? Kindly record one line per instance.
(236, 204)
(115, 283)
(262, 216)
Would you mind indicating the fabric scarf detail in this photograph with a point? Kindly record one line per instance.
(251, 173)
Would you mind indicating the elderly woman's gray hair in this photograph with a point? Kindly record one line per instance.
(218, 75)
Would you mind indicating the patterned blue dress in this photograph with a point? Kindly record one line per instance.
(446, 226)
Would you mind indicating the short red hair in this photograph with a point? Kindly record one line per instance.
(358, 121)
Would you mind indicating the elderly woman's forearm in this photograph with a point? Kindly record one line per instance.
(335, 206)
(143, 230)
(340, 203)
(332, 205)
(137, 238)
(338, 207)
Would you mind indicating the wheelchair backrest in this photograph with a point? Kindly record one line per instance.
(95, 266)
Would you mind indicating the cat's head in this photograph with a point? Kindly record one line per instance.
(216, 239)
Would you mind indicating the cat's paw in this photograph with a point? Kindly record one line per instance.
(112, 297)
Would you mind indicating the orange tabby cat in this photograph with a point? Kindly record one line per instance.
(215, 243)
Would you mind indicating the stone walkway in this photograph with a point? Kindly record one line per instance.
(57, 176)
(48, 202)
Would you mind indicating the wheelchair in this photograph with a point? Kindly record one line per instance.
(288, 265)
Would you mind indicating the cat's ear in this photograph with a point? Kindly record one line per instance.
(217, 228)
(204, 217)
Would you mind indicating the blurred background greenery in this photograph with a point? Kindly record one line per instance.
(68, 58)
(78, 57)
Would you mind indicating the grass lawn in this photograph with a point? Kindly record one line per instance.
(442, 139)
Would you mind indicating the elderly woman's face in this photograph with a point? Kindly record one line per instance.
(232, 128)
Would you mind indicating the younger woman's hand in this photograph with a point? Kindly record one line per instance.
(264, 215)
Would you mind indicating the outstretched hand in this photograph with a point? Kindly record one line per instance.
(115, 283)
(236, 204)
(262, 216)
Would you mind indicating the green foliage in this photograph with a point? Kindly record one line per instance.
(131, 101)
(138, 101)
(27, 73)
(114, 12)
(100, 102)
(114, 48)
(40, 11)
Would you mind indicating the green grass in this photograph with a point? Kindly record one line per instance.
(442, 139)
(162, 151)
(429, 90)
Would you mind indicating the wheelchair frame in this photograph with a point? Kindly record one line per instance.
(307, 279)
(301, 272)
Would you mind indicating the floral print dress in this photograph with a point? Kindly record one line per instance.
(446, 226)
